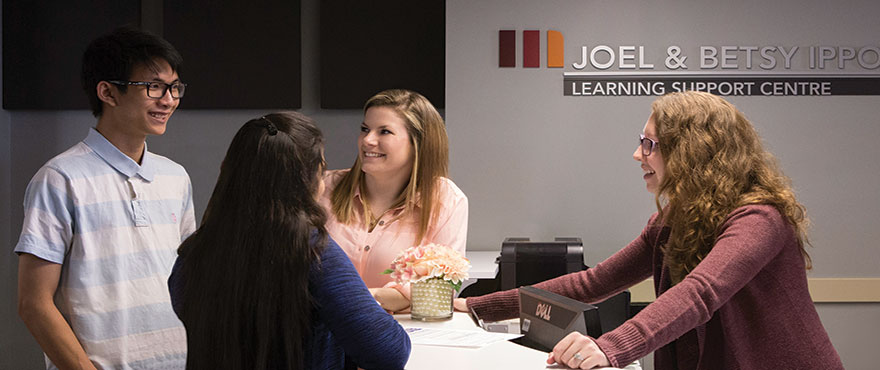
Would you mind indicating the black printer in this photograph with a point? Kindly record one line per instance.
(524, 262)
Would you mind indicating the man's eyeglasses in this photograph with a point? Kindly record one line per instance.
(156, 90)
(648, 145)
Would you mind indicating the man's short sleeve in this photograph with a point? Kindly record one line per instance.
(47, 230)
(188, 221)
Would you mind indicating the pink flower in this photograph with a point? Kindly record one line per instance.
(419, 263)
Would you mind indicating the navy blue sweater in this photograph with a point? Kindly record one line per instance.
(346, 321)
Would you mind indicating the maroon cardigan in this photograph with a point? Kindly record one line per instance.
(745, 306)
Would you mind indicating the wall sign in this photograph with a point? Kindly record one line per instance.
(727, 70)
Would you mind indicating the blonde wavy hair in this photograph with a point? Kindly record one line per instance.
(715, 163)
(427, 134)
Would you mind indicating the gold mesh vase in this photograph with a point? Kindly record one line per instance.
(432, 300)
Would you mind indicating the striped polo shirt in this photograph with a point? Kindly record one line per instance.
(114, 226)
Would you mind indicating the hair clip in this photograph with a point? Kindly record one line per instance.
(269, 126)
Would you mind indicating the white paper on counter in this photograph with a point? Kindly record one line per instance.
(456, 338)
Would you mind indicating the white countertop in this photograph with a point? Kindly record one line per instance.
(500, 355)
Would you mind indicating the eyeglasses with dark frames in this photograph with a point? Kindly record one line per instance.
(647, 144)
(156, 90)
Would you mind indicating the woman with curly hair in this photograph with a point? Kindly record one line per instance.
(725, 250)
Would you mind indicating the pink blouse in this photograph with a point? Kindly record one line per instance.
(372, 252)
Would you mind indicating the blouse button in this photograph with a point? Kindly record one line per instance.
(367, 248)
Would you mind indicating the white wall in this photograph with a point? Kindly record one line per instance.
(539, 164)
(563, 165)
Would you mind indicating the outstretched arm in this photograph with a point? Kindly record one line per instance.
(627, 267)
(749, 239)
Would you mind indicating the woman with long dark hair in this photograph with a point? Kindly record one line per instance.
(725, 249)
(260, 285)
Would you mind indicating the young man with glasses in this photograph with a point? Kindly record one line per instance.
(103, 220)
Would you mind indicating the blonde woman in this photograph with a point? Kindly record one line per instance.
(397, 194)
(725, 249)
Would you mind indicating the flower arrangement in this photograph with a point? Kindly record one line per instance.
(420, 263)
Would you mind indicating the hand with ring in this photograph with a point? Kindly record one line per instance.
(578, 351)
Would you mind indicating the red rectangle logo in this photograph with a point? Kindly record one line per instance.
(507, 48)
(531, 49)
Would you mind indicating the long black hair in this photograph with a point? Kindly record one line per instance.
(246, 298)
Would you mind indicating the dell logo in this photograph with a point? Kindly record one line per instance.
(543, 311)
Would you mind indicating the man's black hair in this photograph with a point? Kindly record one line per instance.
(114, 56)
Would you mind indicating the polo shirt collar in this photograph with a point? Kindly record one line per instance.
(118, 160)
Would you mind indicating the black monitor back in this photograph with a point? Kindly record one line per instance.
(546, 318)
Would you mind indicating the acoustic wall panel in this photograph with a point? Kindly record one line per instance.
(43, 43)
(237, 55)
(369, 46)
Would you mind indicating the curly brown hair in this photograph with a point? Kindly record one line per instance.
(715, 163)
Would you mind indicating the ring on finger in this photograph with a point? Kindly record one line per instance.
(577, 356)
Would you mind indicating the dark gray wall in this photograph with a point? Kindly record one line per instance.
(11, 330)
(14, 338)
(197, 139)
